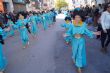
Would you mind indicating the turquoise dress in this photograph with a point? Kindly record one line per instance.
(78, 44)
(47, 19)
(45, 26)
(40, 20)
(33, 24)
(51, 18)
(67, 26)
(11, 25)
(37, 19)
(23, 30)
(3, 62)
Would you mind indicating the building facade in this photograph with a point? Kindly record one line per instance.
(48, 4)
(107, 1)
(29, 6)
(83, 2)
(13, 5)
(100, 1)
(7, 5)
(19, 5)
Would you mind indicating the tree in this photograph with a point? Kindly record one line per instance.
(60, 4)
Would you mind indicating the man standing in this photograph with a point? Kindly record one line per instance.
(105, 33)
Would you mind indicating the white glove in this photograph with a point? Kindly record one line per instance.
(97, 33)
(65, 35)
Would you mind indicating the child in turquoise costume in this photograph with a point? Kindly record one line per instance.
(50, 18)
(3, 62)
(21, 22)
(77, 31)
(37, 18)
(47, 18)
(67, 25)
(45, 26)
(40, 20)
(10, 24)
(54, 16)
(33, 24)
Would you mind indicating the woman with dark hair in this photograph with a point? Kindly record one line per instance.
(105, 32)
(77, 31)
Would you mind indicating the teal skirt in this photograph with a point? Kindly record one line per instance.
(3, 62)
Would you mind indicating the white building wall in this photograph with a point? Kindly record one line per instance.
(100, 1)
(10, 5)
(29, 6)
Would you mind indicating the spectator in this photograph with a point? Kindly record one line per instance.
(96, 17)
(1, 19)
(100, 7)
(105, 33)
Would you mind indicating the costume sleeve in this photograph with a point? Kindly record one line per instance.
(69, 32)
(63, 25)
(88, 32)
(17, 25)
(25, 21)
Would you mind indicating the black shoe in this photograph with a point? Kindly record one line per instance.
(104, 50)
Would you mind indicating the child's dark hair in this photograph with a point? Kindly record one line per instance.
(79, 13)
(68, 18)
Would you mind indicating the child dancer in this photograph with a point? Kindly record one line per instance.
(27, 25)
(77, 31)
(44, 21)
(10, 24)
(67, 25)
(3, 62)
(23, 30)
(34, 27)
